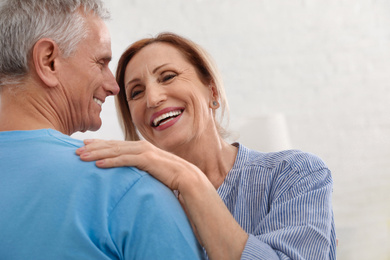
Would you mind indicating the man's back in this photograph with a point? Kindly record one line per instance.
(54, 206)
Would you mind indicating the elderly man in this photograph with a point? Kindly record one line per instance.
(54, 78)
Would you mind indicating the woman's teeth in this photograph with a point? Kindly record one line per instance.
(157, 121)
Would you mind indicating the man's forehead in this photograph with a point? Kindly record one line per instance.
(98, 37)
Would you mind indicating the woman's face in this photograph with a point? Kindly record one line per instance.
(169, 104)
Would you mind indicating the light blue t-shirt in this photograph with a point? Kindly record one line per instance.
(55, 206)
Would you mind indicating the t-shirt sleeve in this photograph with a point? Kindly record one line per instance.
(149, 223)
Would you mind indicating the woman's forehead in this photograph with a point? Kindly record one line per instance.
(155, 55)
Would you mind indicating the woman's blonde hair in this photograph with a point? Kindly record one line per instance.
(194, 54)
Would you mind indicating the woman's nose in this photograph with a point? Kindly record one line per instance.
(155, 96)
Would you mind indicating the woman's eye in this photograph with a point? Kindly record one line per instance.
(135, 93)
(168, 77)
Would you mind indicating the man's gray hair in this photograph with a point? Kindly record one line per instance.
(24, 22)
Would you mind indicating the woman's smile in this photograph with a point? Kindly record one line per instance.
(166, 118)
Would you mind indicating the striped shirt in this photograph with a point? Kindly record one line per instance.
(283, 201)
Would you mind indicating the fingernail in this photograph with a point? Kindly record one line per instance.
(85, 155)
(81, 149)
(100, 163)
(88, 141)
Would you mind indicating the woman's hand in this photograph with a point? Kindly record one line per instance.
(108, 154)
(164, 166)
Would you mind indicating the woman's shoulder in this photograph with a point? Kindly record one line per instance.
(296, 159)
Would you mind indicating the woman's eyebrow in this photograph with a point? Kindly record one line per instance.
(158, 67)
(132, 81)
(153, 72)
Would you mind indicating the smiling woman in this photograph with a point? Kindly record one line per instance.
(242, 203)
(189, 53)
(164, 91)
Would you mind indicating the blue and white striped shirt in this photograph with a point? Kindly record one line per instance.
(283, 201)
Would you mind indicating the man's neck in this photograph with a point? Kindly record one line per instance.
(17, 113)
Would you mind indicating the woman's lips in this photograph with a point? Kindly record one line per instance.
(166, 117)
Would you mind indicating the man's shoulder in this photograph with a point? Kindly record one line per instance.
(71, 160)
(52, 156)
(60, 153)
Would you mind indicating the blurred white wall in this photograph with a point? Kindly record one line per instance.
(322, 65)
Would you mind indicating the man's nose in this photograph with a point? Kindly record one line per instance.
(111, 86)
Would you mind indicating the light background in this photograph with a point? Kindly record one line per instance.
(307, 74)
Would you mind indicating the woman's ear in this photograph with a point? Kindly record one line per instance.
(214, 96)
(45, 54)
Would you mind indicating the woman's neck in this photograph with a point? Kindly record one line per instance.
(215, 158)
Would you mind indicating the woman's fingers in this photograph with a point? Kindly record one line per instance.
(119, 161)
(98, 149)
(109, 154)
(164, 166)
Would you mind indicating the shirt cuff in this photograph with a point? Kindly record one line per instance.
(256, 249)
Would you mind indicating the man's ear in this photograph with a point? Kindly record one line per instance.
(45, 56)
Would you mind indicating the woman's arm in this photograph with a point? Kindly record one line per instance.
(286, 230)
(217, 230)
